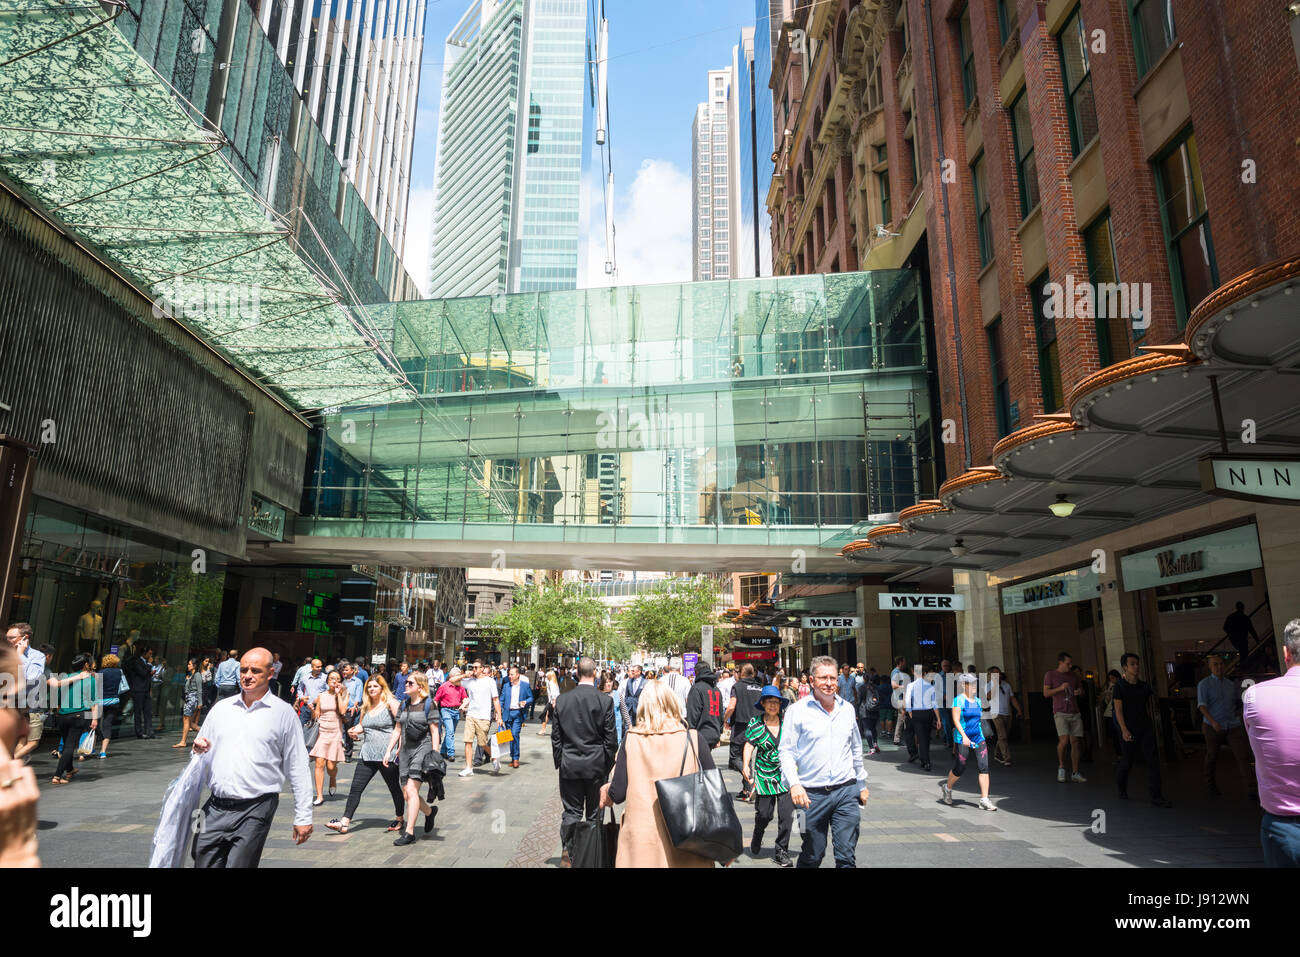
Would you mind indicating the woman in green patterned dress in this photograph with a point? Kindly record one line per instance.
(762, 773)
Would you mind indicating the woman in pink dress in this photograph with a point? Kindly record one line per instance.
(328, 751)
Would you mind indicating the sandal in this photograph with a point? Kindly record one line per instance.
(58, 780)
(56, 753)
(102, 754)
(396, 825)
(336, 825)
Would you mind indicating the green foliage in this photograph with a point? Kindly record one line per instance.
(552, 614)
(667, 621)
(177, 606)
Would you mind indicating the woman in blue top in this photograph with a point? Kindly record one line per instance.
(968, 736)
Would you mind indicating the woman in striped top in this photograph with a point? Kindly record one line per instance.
(762, 773)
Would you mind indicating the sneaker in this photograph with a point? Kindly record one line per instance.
(1078, 778)
(404, 840)
(1060, 775)
(466, 772)
(873, 751)
(947, 792)
(756, 845)
(782, 859)
(987, 805)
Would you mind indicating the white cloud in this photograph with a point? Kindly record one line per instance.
(652, 220)
(419, 230)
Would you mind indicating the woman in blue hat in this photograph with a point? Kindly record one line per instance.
(762, 774)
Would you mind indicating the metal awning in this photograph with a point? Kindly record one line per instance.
(1129, 448)
(93, 138)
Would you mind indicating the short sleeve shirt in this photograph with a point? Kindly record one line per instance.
(481, 692)
(971, 720)
(1134, 696)
(1062, 703)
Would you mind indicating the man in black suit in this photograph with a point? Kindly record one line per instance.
(139, 676)
(584, 745)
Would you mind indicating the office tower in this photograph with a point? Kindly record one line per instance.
(712, 164)
(518, 136)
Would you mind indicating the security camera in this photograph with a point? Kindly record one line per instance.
(883, 233)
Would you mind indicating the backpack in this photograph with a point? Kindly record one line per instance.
(870, 699)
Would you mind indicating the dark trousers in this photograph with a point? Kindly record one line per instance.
(142, 710)
(73, 726)
(227, 691)
(233, 833)
(348, 744)
(1144, 741)
(736, 752)
(921, 724)
(1236, 739)
(362, 776)
(765, 805)
(1280, 839)
(869, 728)
(581, 802)
(835, 808)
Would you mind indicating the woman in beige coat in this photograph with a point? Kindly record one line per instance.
(653, 748)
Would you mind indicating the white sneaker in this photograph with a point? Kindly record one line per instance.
(466, 772)
(1060, 775)
(496, 765)
(1078, 778)
(987, 805)
(947, 793)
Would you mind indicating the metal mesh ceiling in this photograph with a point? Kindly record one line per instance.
(98, 141)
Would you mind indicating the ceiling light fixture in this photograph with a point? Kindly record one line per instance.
(958, 549)
(1062, 507)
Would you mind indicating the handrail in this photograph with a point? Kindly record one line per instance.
(1251, 615)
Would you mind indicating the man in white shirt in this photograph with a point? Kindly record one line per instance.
(677, 682)
(724, 687)
(483, 703)
(256, 742)
(922, 701)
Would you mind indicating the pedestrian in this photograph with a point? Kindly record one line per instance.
(704, 706)
(79, 711)
(1240, 631)
(255, 741)
(308, 690)
(378, 718)
(632, 689)
(481, 706)
(19, 793)
(328, 711)
(436, 676)
(1133, 701)
(922, 702)
(898, 681)
(139, 676)
(745, 695)
(1108, 712)
(448, 699)
(658, 746)
(1062, 686)
(1219, 702)
(516, 695)
(110, 683)
(552, 694)
(821, 760)
(416, 738)
(805, 688)
(192, 710)
(1002, 704)
(355, 689)
(676, 682)
(276, 667)
(35, 696)
(399, 681)
(622, 720)
(968, 735)
(868, 709)
(227, 676)
(762, 772)
(945, 688)
(1269, 711)
(584, 743)
(725, 684)
(208, 680)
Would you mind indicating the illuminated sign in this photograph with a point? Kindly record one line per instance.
(1273, 478)
(905, 602)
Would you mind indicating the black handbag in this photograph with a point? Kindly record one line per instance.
(699, 813)
(594, 844)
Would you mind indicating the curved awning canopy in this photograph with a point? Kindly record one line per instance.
(1131, 445)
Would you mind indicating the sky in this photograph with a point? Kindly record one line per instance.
(660, 55)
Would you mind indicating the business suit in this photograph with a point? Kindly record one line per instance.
(584, 744)
(514, 717)
(139, 677)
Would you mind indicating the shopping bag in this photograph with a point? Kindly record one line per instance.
(504, 737)
(594, 844)
(87, 743)
(496, 748)
(698, 812)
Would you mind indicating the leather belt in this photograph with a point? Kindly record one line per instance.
(240, 804)
(829, 788)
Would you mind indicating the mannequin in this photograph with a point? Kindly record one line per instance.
(90, 627)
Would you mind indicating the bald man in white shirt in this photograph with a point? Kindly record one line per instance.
(256, 742)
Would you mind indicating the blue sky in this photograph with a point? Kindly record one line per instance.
(660, 52)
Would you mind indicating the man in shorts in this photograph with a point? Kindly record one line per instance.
(1062, 688)
(482, 705)
(35, 696)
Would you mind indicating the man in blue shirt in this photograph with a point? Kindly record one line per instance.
(227, 676)
(1219, 701)
(399, 682)
(356, 690)
(35, 698)
(309, 690)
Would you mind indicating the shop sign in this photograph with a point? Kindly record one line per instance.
(756, 641)
(266, 519)
(831, 622)
(1273, 479)
(1234, 550)
(1065, 588)
(908, 602)
(1175, 603)
(752, 655)
(689, 661)
(377, 658)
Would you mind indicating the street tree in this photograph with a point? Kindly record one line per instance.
(667, 620)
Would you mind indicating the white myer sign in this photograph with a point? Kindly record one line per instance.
(832, 622)
(900, 602)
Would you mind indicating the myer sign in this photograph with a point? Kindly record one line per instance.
(898, 602)
(828, 622)
(1079, 584)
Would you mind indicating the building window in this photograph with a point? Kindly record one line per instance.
(983, 224)
(1026, 167)
(1001, 384)
(882, 153)
(1153, 31)
(967, 57)
(1073, 44)
(1049, 361)
(1112, 330)
(1006, 19)
(883, 179)
(1186, 222)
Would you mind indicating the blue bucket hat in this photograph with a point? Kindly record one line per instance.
(772, 691)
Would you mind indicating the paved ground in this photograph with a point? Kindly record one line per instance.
(106, 817)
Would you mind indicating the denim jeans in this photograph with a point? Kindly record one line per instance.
(1280, 839)
(450, 716)
(515, 722)
(839, 811)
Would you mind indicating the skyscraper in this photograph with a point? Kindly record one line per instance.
(713, 161)
(517, 138)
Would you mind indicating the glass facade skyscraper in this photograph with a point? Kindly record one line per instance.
(516, 140)
(768, 14)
